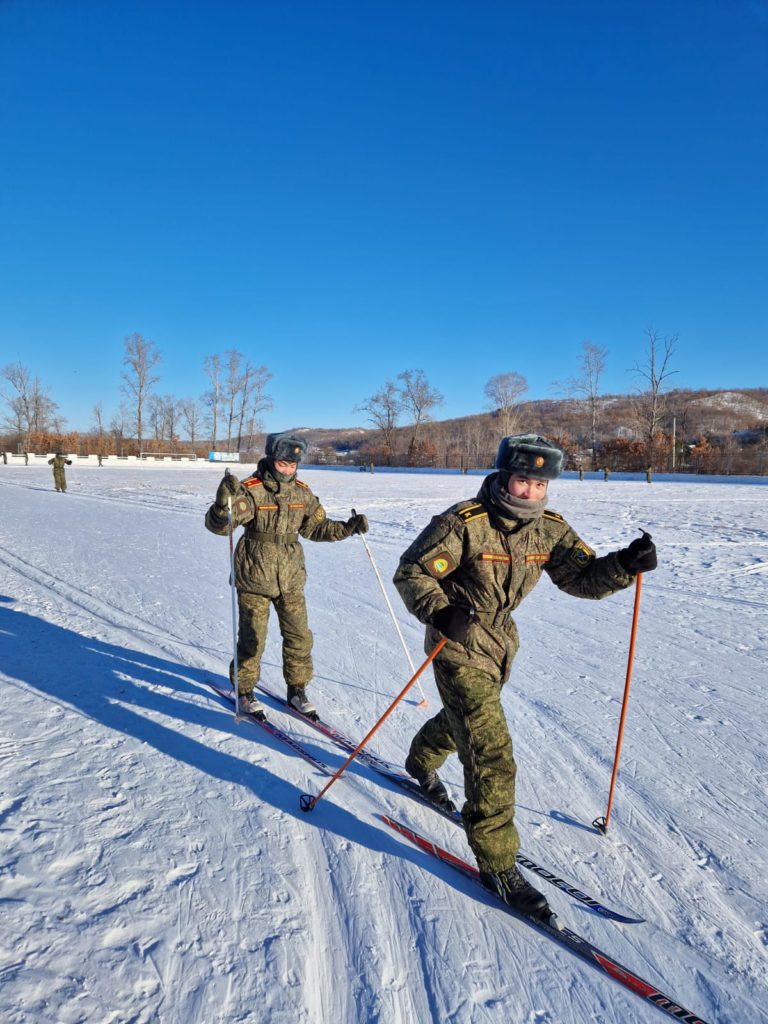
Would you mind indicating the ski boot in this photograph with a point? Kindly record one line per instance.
(431, 785)
(297, 699)
(251, 705)
(516, 891)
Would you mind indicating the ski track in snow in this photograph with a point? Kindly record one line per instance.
(156, 866)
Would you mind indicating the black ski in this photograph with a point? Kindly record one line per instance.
(273, 730)
(577, 944)
(405, 782)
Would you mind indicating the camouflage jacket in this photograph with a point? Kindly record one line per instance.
(269, 559)
(59, 462)
(473, 555)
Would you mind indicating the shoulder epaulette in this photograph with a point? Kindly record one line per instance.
(301, 484)
(549, 514)
(252, 481)
(476, 511)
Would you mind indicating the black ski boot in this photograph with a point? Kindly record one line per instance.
(518, 892)
(251, 704)
(432, 786)
(297, 698)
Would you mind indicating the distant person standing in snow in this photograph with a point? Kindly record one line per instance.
(58, 462)
(275, 507)
(606, 473)
(462, 577)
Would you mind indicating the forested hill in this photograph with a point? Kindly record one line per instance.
(710, 414)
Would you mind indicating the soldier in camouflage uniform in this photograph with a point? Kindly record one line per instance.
(462, 577)
(275, 508)
(59, 478)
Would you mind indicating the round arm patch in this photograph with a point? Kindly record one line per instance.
(440, 564)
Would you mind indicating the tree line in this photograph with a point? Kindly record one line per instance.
(653, 427)
(227, 413)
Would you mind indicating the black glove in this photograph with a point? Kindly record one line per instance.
(640, 556)
(454, 621)
(228, 488)
(357, 524)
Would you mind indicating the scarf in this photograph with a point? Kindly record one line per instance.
(522, 510)
(270, 477)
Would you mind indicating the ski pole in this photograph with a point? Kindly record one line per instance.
(601, 824)
(307, 802)
(234, 604)
(424, 703)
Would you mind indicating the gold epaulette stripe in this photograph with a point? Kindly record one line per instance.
(470, 513)
(302, 484)
(549, 514)
(252, 482)
(487, 556)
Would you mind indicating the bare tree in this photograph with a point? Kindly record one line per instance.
(418, 398)
(503, 392)
(233, 387)
(383, 410)
(98, 427)
(119, 427)
(213, 396)
(255, 402)
(33, 411)
(649, 404)
(141, 357)
(587, 386)
(189, 411)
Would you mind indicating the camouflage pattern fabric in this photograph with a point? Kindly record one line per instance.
(472, 724)
(471, 554)
(59, 477)
(270, 568)
(253, 619)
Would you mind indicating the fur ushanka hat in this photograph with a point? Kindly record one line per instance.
(530, 455)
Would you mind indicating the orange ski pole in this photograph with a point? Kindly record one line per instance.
(601, 824)
(308, 802)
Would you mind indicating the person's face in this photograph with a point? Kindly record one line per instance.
(527, 487)
(286, 468)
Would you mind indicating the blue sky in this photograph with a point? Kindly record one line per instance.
(346, 190)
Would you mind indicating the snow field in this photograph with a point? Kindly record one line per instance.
(156, 865)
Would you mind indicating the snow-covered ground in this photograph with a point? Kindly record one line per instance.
(156, 865)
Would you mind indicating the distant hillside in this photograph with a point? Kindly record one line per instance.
(696, 413)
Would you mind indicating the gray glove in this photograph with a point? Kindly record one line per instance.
(227, 489)
(357, 524)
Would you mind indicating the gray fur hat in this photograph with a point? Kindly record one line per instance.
(285, 447)
(530, 455)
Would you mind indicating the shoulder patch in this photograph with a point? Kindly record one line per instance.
(581, 554)
(550, 514)
(440, 564)
(252, 481)
(471, 512)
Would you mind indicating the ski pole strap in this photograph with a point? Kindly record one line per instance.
(273, 538)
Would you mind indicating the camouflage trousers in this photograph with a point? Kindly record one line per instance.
(472, 724)
(252, 638)
(59, 481)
